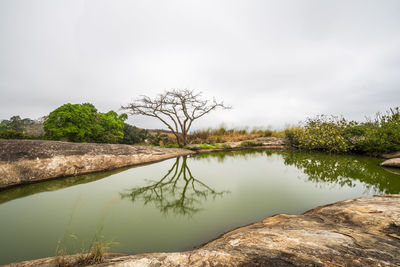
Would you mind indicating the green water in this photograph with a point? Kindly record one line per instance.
(180, 203)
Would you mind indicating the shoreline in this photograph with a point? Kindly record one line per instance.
(32, 161)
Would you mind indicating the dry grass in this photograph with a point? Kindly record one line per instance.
(223, 135)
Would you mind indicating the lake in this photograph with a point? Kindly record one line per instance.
(181, 203)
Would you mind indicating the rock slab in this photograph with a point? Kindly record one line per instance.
(27, 161)
(394, 162)
(355, 232)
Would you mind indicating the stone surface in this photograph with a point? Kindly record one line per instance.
(26, 161)
(391, 155)
(355, 232)
(395, 162)
(258, 143)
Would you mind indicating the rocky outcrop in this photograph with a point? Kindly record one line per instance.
(391, 155)
(27, 161)
(394, 162)
(355, 232)
(258, 143)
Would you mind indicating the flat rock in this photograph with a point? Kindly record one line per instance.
(27, 161)
(395, 162)
(391, 155)
(354, 232)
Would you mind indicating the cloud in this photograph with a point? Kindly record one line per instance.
(275, 62)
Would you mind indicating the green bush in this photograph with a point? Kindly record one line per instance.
(133, 135)
(323, 133)
(12, 134)
(382, 135)
(158, 138)
(331, 134)
(82, 123)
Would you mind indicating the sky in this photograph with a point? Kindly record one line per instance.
(275, 62)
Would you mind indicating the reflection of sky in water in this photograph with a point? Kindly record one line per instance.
(180, 203)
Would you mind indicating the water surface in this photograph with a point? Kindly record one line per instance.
(179, 203)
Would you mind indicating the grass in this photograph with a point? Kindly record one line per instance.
(93, 254)
(223, 135)
(88, 252)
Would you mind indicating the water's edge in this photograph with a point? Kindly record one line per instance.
(30, 161)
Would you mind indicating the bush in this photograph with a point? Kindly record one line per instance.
(133, 135)
(82, 123)
(323, 133)
(338, 135)
(12, 134)
(382, 135)
(158, 138)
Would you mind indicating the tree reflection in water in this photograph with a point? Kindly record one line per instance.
(344, 170)
(327, 169)
(178, 191)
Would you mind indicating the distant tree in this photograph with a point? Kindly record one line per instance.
(16, 123)
(157, 138)
(109, 128)
(82, 123)
(71, 122)
(133, 135)
(17, 128)
(175, 108)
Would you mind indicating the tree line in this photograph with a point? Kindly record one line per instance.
(75, 123)
(175, 108)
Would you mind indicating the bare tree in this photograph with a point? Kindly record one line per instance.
(176, 108)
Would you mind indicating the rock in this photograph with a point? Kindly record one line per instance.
(26, 161)
(395, 162)
(391, 155)
(354, 232)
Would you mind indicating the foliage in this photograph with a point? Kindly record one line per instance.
(338, 135)
(109, 128)
(158, 138)
(17, 128)
(133, 135)
(72, 122)
(82, 123)
(11, 134)
(325, 133)
(382, 135)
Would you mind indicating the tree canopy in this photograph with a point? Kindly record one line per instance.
(83, 123)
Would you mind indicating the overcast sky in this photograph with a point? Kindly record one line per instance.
(276, 62)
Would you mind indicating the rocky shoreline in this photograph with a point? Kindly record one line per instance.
(354, 232)
(28, 161)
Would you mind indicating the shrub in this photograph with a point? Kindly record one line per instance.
(133, 135)
(383, 134)
(328, 133)
(12, 134)
(325, 133)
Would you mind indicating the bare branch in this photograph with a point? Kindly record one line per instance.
(176, 108)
